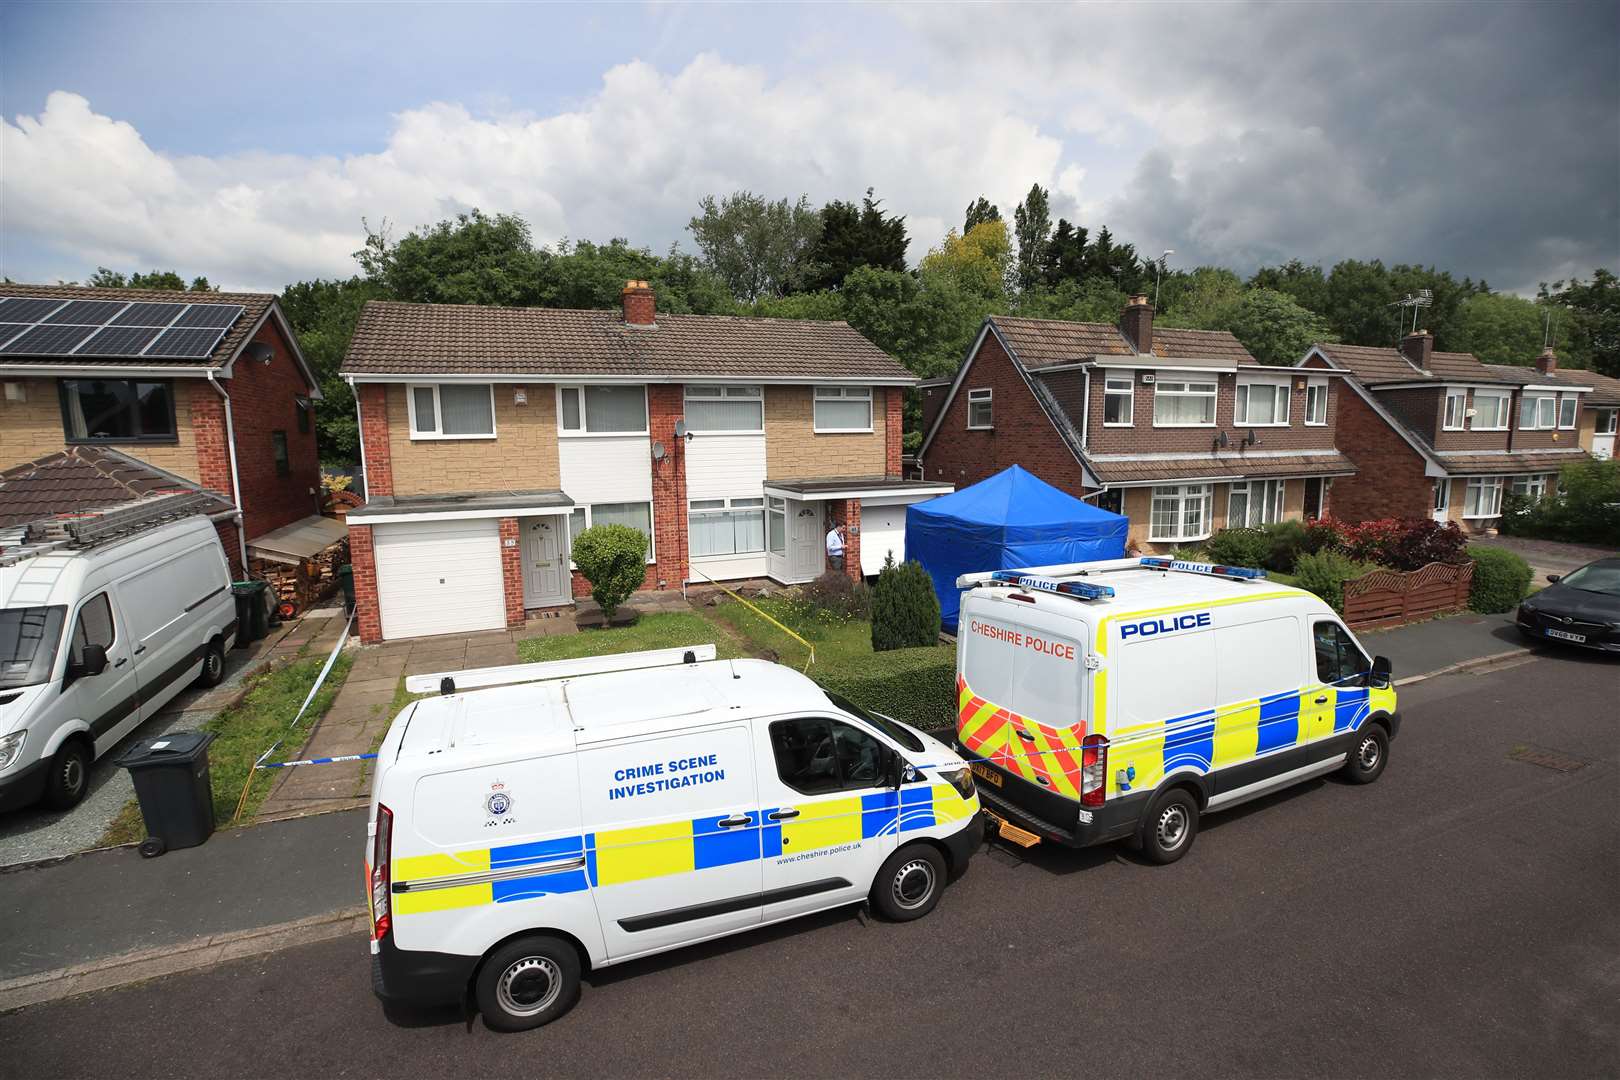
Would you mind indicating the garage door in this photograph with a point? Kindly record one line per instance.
(439, 577)
(883, 529)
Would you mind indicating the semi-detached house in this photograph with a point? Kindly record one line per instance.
(491, 436)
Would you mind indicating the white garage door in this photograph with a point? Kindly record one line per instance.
(883, 529)
(439, 577)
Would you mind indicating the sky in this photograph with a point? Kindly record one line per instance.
(254, 143)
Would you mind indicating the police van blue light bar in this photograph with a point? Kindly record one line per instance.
(1211, 569)
(1080, 590)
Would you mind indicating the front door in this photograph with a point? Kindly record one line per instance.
(544, 575)
(1442, 499)
(1314, 486)
(807, 552)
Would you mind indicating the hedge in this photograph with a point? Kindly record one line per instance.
(1501, 578)
(914, 685)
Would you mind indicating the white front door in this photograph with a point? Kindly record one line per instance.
(807, 540)
(1442, 500)
(545, 551)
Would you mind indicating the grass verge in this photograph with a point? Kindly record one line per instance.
(837, 642)
(658, 630)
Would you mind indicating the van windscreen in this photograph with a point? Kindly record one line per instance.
(882, 723)
(28, 642)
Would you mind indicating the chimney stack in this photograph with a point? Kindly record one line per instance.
(639, 308)
(1547, 362)
(1137, 325)
(1418, 347)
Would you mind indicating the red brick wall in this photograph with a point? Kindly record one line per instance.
(512, 571)
(664, 407)
(367, 615)
(233, 550)
(374, 439)
(208, 428)
(1390, 481)
(894, 435)
(263, 400)
(1143, 438)
(847, 512)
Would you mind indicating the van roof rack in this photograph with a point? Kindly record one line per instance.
(450, 682)
(79, 532)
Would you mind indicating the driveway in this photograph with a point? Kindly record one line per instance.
(1545, 556)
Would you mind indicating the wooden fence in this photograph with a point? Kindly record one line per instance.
(1391, 597)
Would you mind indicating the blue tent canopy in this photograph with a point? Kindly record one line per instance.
(1012, 520)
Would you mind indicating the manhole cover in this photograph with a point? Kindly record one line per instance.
(1547, 759)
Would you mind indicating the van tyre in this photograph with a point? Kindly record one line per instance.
(69, 778)
(527, 983)
(909, 883)
(213, 665)
(1170, 828)
(1369, 753)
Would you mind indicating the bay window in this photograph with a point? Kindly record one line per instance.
(1262, 403)
(1254, 503)
(1183, 403)
(842, 408)
(1456, 410)
(602, 410)
(1119, 399)
(1316, 395)
(1491, 410)
(1532, 487)
(117, 410)
(1180, 512)
(1483, 498)
(981, 410)
(452, 410)
(725, 409)
(725, 526)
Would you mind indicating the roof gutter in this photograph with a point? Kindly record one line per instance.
(532, 377)
(236, 486)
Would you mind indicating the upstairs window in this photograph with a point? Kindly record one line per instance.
(1262, 403)
(1568, 404)
(602, 410)
(304, 405)
(117, 410)
(278, 451)
(1491, 410)
(1182, 403)
(452, 411)
(1456, 410)
(725, 409)
(1316, 394)
(981, 414)
(1538, 412)
(1119, 400)
(842, 408)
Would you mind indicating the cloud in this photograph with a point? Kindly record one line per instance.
(631, 160)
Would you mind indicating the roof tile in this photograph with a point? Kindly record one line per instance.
(79, 479)
(1045, 342)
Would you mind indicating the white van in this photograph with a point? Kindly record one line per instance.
(1122, 699)
(604, 809)
(97, 638)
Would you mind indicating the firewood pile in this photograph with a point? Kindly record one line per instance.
(305, 583)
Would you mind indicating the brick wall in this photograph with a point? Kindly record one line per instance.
(367, 614)
(794, 451)
(894, 435)
(1390, 480)
(522, 456)
(847, 512)
(264, 401)
(1142, 437)
(1137, 505)
(512, 570)
(375, 442)
(665, 405)
(233, 550)
(33, 428)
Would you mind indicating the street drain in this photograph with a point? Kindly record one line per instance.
(1547, 759)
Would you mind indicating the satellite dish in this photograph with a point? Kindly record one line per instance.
(658, 451)
(680, 429)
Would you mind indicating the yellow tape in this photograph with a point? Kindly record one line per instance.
(762, 615)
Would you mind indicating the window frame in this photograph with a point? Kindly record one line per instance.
(1282, 392)
(1128, 392)
(1482, 484)
(842, 393)
(1441, 496)
(1316, 389)
(437, 434)
(1183, 494)
(777, 507)
(728, 506)
(1211, 396)
(587, 508)
(1573, 401)
(1461, 397)
(757, 395)
(843, 785)
(1504, 410)
(1607, 422)
(281, 452)
(1341, 639)
(983, 396)
(1536, 485)
(1273, 498)
(1546, 411)
(70, 439)
(584, 432)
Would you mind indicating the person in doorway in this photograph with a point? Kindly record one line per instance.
(835, 546)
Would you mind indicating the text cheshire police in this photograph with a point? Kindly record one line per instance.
(666, 776)
(1163, 625)
(1017, 638)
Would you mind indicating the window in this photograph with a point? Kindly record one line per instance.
(1491, 410)
(636, 515)
(815, 756)
(117, 410)
(726, 526)
(725, 409)
(452, 411)
(981, 414)
(1532, 487)
(1608, 420)
(1316, 394)
(602, 410)
(303, 408)
(1183, 404)
(1262, 403)
(1538, 412)
(1255, 503)
(1483, 498)
(1442, 497)
(1567, 406)
(1180, 512)
(1338, 659)
(278, 450)
(776, 526)
(843, 408)
(1119, 397)
(94, 627)
(1456, 410)
(28, 642)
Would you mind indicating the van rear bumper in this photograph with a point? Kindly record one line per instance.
(410, 977)
(1115, 820)
(25, 787)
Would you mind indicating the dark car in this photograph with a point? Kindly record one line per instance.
(1581, 608)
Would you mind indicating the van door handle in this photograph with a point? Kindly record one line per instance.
(140, 650)
(121, 661)
(1322, 700)
(733, 822)
(782, 815)
(1026, 736)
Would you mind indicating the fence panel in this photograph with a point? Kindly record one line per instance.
(1392, 597)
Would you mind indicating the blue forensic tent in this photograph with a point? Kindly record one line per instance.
(1012, 520)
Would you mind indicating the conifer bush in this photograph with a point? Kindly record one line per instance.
(905, 611)
(613, 559)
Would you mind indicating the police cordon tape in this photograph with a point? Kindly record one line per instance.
(756, 610)
(315, 761)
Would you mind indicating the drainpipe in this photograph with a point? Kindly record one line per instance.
(360, 430)
(236, 486)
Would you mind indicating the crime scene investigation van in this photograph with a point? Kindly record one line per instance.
(580, 813)
(1120, 700)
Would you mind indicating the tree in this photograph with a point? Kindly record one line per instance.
(1274, 328)
(1032, 223)
(757, 247)
(1113, 262)
(1091, 299)
(1593, 312)
(1305, 283)
(1065, 257)
(1503, 329)
(1200, 299)
(613, 558)
(978, 212)
(905, 611)
(854, 236)
(473, 259)
(587, 275)
(104, 278)
(976, 263)
(323, 315)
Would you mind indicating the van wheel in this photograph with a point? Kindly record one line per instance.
(213, 668)
(1170, 827)
(1368, 755)
(69, 777)
(527, 983)
(909, 884)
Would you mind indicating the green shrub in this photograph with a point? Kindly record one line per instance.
(914, 685)
(1239, 547)
(1501, 578)
(1325, 572)
(613, 559)
(905, 611)
(1585, 509)
(840, 594)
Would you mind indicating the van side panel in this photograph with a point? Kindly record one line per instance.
(168, 606)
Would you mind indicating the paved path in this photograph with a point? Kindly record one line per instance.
(1454, 919)
(1430, 646)
(1545, 556)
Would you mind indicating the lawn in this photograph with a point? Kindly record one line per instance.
(836, 642)
(657, 630)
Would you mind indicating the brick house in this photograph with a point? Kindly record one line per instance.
(1183, 431)
(206, 387)
(491, 436)
(1442, 434)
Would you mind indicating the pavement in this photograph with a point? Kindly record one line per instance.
(1439, 644)
(1454, 919)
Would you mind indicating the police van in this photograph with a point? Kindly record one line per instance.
(1122, 699)
(535, 821)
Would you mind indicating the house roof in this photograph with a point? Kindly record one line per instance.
(255, 305)
(1467, 463)
(1046, 342)
(1158, 468)
(1374, 365)
(1520, 375)
(1605, 389)
(85, 478)
(395, 338)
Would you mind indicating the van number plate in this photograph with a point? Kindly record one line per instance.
(1566, 635)
(983, 772)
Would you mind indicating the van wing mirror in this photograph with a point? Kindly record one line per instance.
(92, 661)
(1381, 672)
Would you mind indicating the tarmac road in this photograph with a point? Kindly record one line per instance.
(1457, 918)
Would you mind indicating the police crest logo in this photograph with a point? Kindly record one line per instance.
(498, 803)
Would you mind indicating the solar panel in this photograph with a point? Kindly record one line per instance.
(218, 316)
(87, 313)
(11, 330)
(27, 309)
(149, 314)
(119, 341)
(191, 343)
(45, 340)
